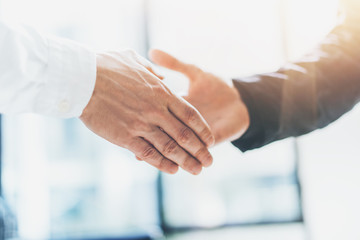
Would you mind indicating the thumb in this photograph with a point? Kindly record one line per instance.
(166, 60)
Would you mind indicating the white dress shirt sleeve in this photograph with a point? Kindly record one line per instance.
(44, 75)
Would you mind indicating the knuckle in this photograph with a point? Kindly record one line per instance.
(159, 113)
(191, 115)
(148, 152)
(201, 153)
(149, 109)
(118, 140)
(170, 147)
(162, 164)
(185, 135)
(188, 163)
(204, 157)
(133, 145)
(140, 126)
(191, 165)
(206, 135)
(160, 91)
(158, 88)
(126, 139)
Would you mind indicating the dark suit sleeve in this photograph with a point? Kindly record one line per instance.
(305, 95)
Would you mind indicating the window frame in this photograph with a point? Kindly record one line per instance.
(168, 229)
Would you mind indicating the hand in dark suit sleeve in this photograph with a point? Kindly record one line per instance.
(308, 94)
(219, 103)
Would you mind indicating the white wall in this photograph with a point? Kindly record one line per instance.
(331, 179)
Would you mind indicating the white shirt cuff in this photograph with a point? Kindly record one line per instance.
(70, 79)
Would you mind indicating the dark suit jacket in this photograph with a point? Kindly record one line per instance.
(308, 94)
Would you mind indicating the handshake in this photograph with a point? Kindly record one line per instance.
(132, 108)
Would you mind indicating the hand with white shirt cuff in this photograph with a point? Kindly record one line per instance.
(132, 108)
(116, 95)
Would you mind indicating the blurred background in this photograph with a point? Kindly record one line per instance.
(60, 181)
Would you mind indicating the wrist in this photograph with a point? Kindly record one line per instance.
(241, 114)
(71, 71)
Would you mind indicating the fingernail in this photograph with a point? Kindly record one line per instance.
(173, 171)
(211, 141)
(197, 171)
(208, 160)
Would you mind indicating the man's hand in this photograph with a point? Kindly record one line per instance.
(219, 103)
(132, 108)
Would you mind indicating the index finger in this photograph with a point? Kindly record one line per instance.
(185, 137)
(187, 114)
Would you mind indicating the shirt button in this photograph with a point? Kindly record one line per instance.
(64, 106)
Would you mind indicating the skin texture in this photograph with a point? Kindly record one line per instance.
(132, 108)
(219, 103)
